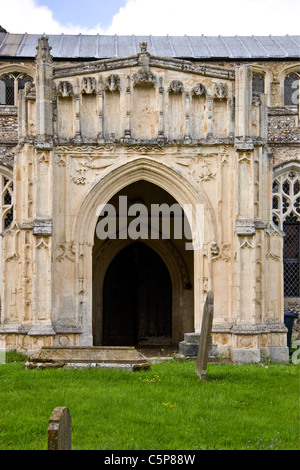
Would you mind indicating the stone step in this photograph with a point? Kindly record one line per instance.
(189, 347)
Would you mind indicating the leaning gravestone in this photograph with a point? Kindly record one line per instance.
(205, 336)
(59, 430)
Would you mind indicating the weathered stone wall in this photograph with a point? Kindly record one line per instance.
(72, 157)
(8, 134)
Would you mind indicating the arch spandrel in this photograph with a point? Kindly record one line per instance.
(184, 192)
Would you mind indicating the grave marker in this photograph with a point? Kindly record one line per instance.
(59, 430)
(205, 336)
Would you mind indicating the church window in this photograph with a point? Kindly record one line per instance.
(6, 202)
(291, 89)
(258, 83)
(286, 215)
(10, 85)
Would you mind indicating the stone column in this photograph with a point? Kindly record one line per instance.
(43, 80)
(42, 223)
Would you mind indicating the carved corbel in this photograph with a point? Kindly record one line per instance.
(113, 83)
(199, 90)
(220, 91)
(89, 85)
(144, 76)
(65, 89)
(176, 87)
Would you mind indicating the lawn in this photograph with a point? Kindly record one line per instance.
(166, 408)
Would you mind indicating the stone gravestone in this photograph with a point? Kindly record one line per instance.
(205, 336)
(59, 430)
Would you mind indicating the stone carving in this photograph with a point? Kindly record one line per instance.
(83, 165)
(205, 172)
(244, 157)
(42, 243)
(113, 83)
(144, 77)
(67, 252)
(143, 46)
(65, 89)
(12, 243)
(60, 160)
(176, 87)
(43, 50)
(220, 90)
(43, 157)
(246, 243)
(89, 85)
(220, 253)
(199, 90)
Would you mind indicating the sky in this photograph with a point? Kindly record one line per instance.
(156, 17)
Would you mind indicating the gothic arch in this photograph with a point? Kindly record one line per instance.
(6, 181)
(286, 192)
(285, 73)
(286, 215)
(268, 76)
(148, 169)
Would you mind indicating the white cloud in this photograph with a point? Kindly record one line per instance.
(20, 16)
(196, 17)
(161, 17)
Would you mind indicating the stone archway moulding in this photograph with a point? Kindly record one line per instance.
(148, 169)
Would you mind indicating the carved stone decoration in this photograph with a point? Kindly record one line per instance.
(89, 85)
(205, 172)
(66, 251)
(81, 166)
(144, 77)
(246, 243)
(199, 90)
(143, 46)
(65, 89)
(113, 83)
(42, 227)
(42, 243)
(220, 90)
(12, 243)
(274, 236)
(43, 50)
(244, 157)
(220, 253)
(176, 87)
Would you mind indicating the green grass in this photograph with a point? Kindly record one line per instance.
(166, 408)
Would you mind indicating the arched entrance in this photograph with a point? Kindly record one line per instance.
(142, 287)
(137, 299)
(93, 261)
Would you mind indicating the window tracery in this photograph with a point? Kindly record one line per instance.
(291, 89)
(286, 215)
(6, 187)
(10, 84)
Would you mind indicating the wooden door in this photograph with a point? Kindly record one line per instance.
(137, 298)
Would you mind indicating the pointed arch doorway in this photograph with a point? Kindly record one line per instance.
(137, 298)
(142, 287)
